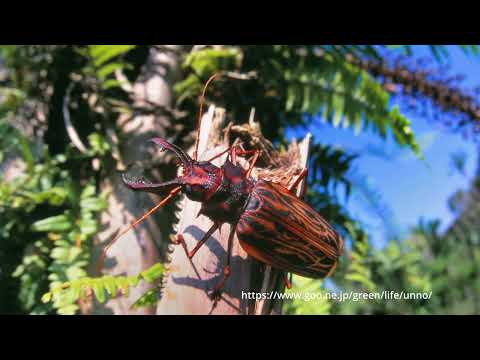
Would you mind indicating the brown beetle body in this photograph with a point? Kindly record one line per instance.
(272, 224)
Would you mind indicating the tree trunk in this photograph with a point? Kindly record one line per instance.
(137, 250)
(188, 283)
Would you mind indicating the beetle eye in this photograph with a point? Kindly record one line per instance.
(194, 192)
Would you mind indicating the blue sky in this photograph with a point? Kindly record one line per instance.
(410, 188)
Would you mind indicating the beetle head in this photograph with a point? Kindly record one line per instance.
(198, 179)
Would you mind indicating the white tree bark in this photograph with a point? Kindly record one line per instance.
(137, 250)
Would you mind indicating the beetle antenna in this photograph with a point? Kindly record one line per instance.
(103, 255)
(202, 102)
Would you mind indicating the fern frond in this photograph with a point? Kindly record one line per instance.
(105, 60)
(347, 96)
(71, 291)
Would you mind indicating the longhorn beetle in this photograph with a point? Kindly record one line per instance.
(272, 224)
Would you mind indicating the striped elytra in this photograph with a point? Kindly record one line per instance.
(284, 232)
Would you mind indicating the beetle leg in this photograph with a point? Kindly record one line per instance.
(204, 239)
(217, 291)
(288, 280)
(298, 180)
(255, 158)
(247, 152)
(180, 240)
(218, 155)
(223, 152)
(256, 154)
(234, 152)
(233, 155)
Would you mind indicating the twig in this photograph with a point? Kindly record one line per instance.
(241, 76)
(72, 133)
(124, 83)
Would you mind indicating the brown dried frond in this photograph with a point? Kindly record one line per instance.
(273, 165)
(417, 82)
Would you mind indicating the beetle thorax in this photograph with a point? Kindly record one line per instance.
(223, 194)
(202, 181)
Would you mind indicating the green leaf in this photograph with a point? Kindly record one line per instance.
(109, 69)
(88, 226)
(19, 270)
(104, 53)
(55, 196)
(53, 223)
(88, 191)
(27, 153)
(60, 253)
(439, 52)
(122, 283)
(207, 61)
(133, 280)
(290, 98)
(149, 298)
(68, 310)
(75, 272)
(362, 279)
(153, 273)
(76, 289)
(98, 144)
(99, 290)
(110, 285)
(93, 204)
(111, 83)
(47, 297)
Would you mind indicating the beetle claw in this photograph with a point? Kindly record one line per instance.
(215, 296)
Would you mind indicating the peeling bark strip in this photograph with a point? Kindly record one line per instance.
(188, 282)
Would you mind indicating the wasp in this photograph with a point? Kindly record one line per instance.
(272, 223)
